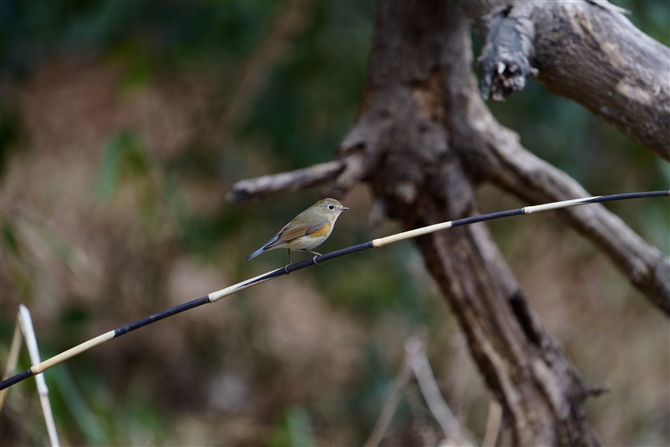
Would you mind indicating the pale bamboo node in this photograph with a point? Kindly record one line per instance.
(410, 234)
(55, 360)
(558, 205)
(380, 242)
(215, 296)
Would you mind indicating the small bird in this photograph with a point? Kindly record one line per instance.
(306, 231)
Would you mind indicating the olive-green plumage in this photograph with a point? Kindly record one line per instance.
(307, 230)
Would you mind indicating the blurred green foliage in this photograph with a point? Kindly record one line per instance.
(298, 118)
(123, 153)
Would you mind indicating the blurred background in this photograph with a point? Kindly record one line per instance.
(123, 127)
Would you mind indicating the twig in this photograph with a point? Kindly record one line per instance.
(453, 430)
(267, 185)
(25, 325)
(376, 243)
(390, 405)
(492, 424)
(427, 434)
(596, 390)
(533, 180)
(12, 358)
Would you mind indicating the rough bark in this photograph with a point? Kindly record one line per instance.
(587, 51)
(268, 185)
(408, 135)
(423, 141)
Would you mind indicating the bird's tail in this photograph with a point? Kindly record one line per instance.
(254, 254)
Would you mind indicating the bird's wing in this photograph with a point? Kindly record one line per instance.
(288, 234)
(318, 228)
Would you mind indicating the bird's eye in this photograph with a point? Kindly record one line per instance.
(331, 207)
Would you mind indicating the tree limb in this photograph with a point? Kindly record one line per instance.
(584, 50)
(416, 100)
(504, 162)
(268, 185)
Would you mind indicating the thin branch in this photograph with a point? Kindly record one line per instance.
(12, 359)
(597, 389)
(346, 172)
(492, 424)
(452, 429)
(416, 362)
(267, 185)
(390, 405)
(25, 325)
(38, 368)
(520, 172)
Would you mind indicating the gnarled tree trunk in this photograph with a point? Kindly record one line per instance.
(411, 130)
(424, 140)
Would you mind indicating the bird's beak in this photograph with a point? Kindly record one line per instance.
(344, 208)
